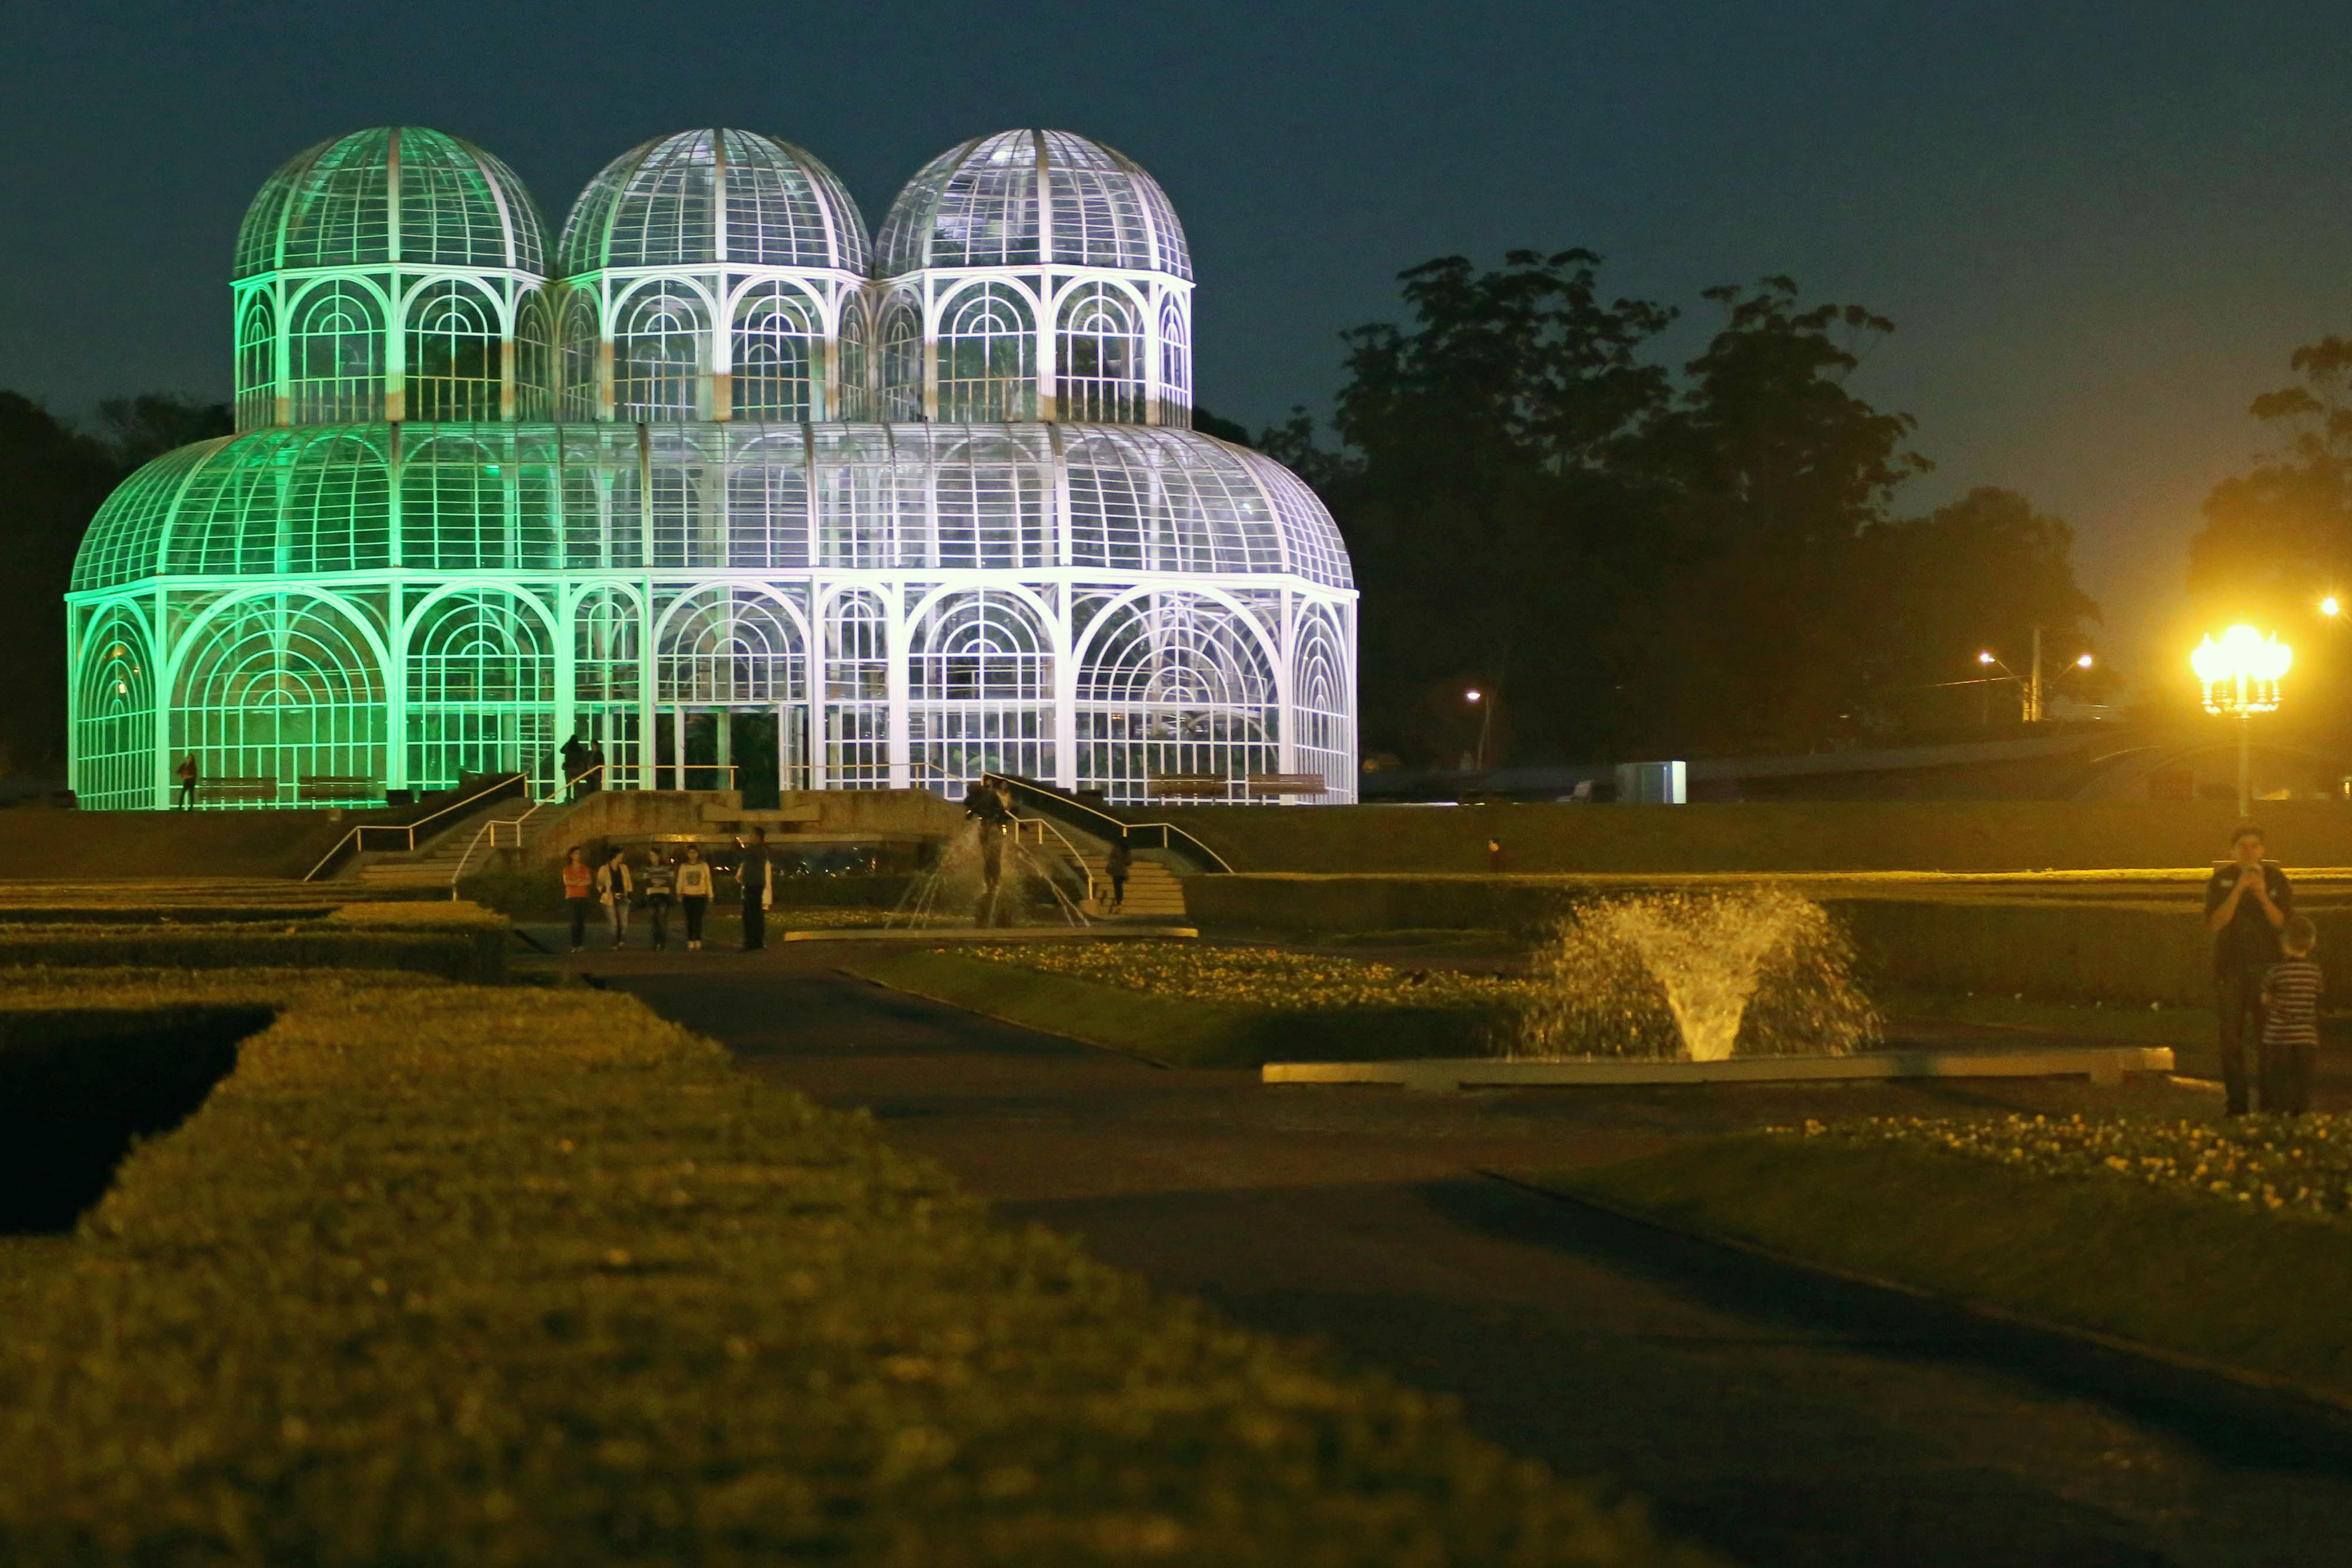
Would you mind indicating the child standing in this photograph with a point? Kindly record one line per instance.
(694, 894)
(579, 890)
(2291, 1021)
(661, 885)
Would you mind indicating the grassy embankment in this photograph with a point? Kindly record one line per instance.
(2217, 1277)
(456, 941)
(1187, 1006)
(447, 1274)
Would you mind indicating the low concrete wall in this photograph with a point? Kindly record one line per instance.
(642, 813)
(1787, 836)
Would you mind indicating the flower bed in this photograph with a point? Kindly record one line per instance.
(2299, 1164)
(1259, 976)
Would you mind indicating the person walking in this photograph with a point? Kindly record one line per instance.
(2291, 1021)
(661, 891)
(756, 876)
(613, 886)
(1121, 862)
(2247, 900)
(579, 892)
(694, 895)
(186, 774)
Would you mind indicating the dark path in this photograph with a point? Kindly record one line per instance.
(1775, 1417)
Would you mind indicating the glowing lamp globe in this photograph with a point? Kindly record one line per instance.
(2240, 673)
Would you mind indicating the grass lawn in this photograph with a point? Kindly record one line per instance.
(1189, 1005)
(448, 1274)
(2226, 1282)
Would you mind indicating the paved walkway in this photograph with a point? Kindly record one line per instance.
(1775, 1417)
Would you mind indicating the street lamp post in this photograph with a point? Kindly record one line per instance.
(2241, 676)
(1478, 699)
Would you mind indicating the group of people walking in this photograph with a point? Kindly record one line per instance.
(661, 883)
(2266, 982)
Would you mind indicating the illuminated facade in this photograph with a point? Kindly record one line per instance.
(716, 487)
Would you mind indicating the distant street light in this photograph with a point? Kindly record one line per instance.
(2241, 676)
(2328, 606)
(1485, 720)
(2028, 687)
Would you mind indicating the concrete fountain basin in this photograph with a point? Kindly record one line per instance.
(2102, 1064)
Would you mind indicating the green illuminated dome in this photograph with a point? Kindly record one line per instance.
(335, 205)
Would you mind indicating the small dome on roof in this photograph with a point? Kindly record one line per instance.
(714, 195)
(332, 206)
(978, 204)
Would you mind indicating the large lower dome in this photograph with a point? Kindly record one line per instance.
(358, 608)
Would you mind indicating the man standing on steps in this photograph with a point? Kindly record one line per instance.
(2247, 900)
(757, 877)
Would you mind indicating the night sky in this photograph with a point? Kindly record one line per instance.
(2099, 228)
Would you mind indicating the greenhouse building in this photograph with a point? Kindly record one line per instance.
(716, 483)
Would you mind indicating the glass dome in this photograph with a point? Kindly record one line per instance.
(1024, 198)
(393, 193)
(708, 197)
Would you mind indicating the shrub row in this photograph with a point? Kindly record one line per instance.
(454, 942)
(444, 1275)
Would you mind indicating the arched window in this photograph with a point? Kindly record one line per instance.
(336, 356)
(456, 511)
(658, 354)
(281, 686)
(1319, 700)
(114, 716)
(731, 647)
(481, 690)
(1173, 685)
(981, 684)
(578, 343)
(987, 357)
(902, 361)
(779, 365)
(534, 358)
(853, 393)
(456, 355)
(1175, 366)
(857, 692)
(257, 363)
(1099, 357)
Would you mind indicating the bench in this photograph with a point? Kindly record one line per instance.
(1288, 784)
(336, 786)
(1192, 784)
(236, 789)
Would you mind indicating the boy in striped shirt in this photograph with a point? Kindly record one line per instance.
(2291, 1021)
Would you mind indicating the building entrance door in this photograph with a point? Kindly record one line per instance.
(751, 749)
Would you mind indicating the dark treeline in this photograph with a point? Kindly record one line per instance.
(1649, 561)
(52, 479)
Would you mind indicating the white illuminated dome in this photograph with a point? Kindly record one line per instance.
(714, 195)
(1022, 198)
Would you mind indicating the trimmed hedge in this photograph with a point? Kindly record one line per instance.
(442, 1275)
(2100, 1253)
(1177, 1031)
(474, 952)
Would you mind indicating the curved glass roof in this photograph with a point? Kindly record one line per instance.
(714, 195)
(333, 206)
(1129, 499)
(1026, 197)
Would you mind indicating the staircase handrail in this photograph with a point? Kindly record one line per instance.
(490, 829)
(1046, 826)
(1163, 836)
(357, 838)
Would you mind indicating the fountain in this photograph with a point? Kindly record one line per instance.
(987, 877)
(1698, 976)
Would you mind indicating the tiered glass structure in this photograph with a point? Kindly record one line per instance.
(471, 510)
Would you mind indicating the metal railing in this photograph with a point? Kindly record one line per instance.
(489, 830)
(1166, 837)
(356, 840)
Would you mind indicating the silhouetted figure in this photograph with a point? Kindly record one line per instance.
(756, 876)
(186, 774)
(990, 806)
(594, 763)
(2247, 899)
(569, 762)
(1117, 867)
